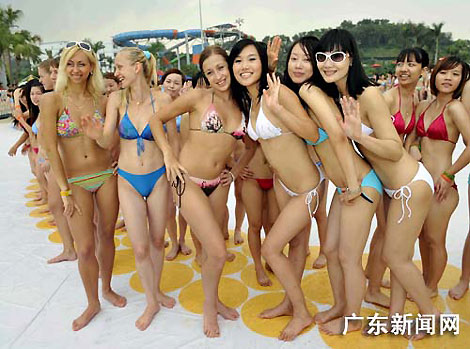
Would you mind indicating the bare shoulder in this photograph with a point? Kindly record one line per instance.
(456, 108)
(308, 90)
(286, 94)
(371, 93)
(390, 96)
(160, 96)
(115, 98)
(51, 99)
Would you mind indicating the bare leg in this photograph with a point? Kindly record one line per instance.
(291, 221)
(435, 231)
(134, 209)
(172, 229)
(458, 291)
(87, 264)
(57, 209)
(253, 196)
(375, 265)
(239, 212)
(107, 203)
(321, 219)
(185, 250)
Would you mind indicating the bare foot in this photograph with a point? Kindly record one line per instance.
(185, 250)
(173, 252)
(230, 257)
(226, 235)
(377, 298)
(263, 279)
(226, 312)
(237, 238)
(336, 326)
(328, 315)
(115, 299)
(418, 334)
(458, 291)
(294, 327)
(433, 293)
(86, 317)
(211, 327)
(385, 283)
(320, 262)
(63, 257)
(166, 301)
(51, 221)
(147, 316)
(283, 309)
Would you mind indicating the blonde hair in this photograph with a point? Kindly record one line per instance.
(149, 67)
(95, 83)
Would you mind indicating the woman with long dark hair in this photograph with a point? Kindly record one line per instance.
(341, 76)
(297, 178)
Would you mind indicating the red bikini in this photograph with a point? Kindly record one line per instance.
(399, 121)
(437, 129)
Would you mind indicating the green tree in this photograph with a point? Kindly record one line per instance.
(8, 18)
(460, 48)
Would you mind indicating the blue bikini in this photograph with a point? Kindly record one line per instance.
(370, 180)
(142, 183)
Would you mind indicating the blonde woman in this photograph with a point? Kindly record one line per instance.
(82, 169)
(143, 190)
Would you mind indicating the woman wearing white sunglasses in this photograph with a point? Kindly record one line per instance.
(341, 76)
(83, 170)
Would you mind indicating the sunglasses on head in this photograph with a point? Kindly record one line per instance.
(83, 45)
(335, 57)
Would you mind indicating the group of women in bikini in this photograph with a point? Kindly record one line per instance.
(280, 140)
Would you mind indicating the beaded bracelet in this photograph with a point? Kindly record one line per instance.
(448, 175)
(66, 192)
(447, 179)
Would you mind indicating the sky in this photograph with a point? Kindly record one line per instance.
(101, 19)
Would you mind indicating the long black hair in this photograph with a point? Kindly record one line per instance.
(307, 44)
(357, 81)
(33, 109)
(239, 92)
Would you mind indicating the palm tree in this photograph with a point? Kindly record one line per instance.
(24, 48)
(437, 28)
(8, 18)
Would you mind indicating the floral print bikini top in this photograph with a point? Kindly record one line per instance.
(212, 123)
(66, 127)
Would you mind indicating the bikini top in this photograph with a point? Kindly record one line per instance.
(66, 127)
(366, 129)
(34, 128)
(178, 124)
(322, 136)
(399, 121)
(264, 128)
(212, 123)
(437, 128)
(127, 129)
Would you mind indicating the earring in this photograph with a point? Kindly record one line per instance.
(91, 73)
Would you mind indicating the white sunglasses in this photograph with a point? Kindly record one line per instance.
(335, 57)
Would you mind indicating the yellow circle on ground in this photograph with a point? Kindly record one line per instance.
(121, 231)
(31, 195)
(33, 180)
(450, 277)
(229, 267)
(126, 241)
(55, 237)
(39, 213)
(174, 276)
(45, 224)
(316, 287)
(461, 307)
(231, 292)
(181, 257)
(124, 262)
(35, 203)
(248, 276)
(33, 187)
(314, 251)
(447, 340)
(358, 340)
(268, 327)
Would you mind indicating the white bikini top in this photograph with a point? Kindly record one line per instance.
(264, 128)
(366, 129)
